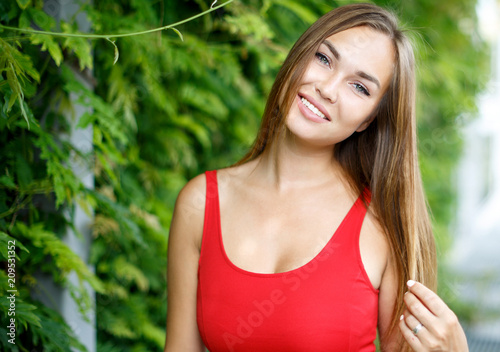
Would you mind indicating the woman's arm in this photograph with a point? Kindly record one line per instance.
(389, 342)
(184, 245)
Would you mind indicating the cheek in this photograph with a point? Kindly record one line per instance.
(359, 110)
(313, 75)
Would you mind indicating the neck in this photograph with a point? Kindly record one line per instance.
(289, 164)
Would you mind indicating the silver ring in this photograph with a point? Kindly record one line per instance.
(417, 328)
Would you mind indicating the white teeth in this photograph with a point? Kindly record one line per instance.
(313, 108)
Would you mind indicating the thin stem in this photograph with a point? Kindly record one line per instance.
(106, 36)
(16, 207)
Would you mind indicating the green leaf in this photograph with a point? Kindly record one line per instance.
(129, 272)
(123, 96)
(53, 333)
(205, 100)
(7, 182)
(7, 241)
(23, 170)
(80, 46)
(23, 4)
(154, 333)
(178, 33)
(302, 11)
(64, 258)
(86, 119)
(66, 185)
(17, 66)
(24, 20)
(48, 43)
(7, 11)
(25, 312)
(117, 53)
(250, 24)
(190, 124)
(41, 18)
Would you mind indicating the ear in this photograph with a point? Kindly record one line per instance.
(364, 125)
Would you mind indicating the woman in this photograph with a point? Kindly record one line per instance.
(262, 256)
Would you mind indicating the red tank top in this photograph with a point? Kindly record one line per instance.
(328, 304)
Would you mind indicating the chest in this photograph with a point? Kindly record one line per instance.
(269, 233)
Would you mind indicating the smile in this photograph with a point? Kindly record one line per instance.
(313, 108)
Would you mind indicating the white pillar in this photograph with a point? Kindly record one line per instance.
(52, 295)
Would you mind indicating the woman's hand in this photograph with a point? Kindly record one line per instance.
(428, 324)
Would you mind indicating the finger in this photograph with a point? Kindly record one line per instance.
(409, 336)
(427, 339)
(411, 322)
(429, 298)
(419, 310)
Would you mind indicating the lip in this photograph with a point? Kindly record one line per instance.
(316, 104)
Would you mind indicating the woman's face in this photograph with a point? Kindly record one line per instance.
(342, 86)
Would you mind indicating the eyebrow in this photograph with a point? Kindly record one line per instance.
(332, 49)
(361, 74)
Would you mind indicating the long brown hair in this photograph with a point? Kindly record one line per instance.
(383, 157)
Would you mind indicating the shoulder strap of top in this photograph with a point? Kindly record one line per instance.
(362, 204)
(212, 189)
(212, 214)
(212, 197)
(366, 196)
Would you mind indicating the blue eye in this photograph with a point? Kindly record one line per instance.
(323, 59)
(361, 89)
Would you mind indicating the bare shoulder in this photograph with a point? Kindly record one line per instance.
(234, 179)
(193, 192)
(191, 200)
(236, 173)
(190, 209)
(189, 212)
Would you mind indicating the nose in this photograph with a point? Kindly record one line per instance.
(328, 86)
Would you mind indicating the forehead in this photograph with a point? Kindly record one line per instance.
(365, 49)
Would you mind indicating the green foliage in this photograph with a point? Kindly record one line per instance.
(48, 43)
(162, 110)
(16, 67)
(4, 243)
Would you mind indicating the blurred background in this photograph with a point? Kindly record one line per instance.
(94, 152)
(474, 252)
